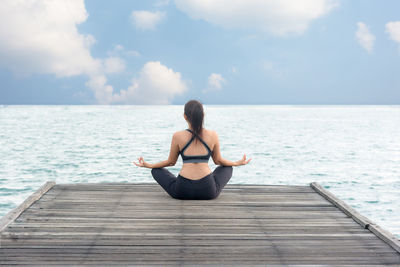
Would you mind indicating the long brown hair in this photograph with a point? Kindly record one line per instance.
(195, 114)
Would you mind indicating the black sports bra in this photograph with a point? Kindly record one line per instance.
(197, 158)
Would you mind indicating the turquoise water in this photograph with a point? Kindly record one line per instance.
(353, 151)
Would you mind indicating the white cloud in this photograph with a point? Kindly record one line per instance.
(42, 37)
(214, 82)
(364, 37)
(102, 91)
(133, 53)
(118, 47)
(393, 29)
(120, 50)
(279, 17)
(156, 84)
(113, 65)
(146, 20)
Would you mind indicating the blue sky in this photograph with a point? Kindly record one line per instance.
(220, 52)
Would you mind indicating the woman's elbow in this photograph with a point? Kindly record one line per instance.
(217, 161)
(171, 163)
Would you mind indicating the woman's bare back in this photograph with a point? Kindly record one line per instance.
(196, 171)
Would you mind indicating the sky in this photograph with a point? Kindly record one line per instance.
(219, 52)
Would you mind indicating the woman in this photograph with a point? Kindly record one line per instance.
(195, 144)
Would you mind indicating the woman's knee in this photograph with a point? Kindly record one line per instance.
(222, 167)
(228, 170)
(156, 171)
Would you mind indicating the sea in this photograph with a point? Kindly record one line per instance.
(352, 151)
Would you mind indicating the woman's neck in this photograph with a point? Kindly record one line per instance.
(190, 128)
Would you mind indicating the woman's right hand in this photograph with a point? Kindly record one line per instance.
(141, 163)
(243, 161)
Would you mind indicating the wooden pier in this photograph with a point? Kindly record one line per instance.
(140, 224)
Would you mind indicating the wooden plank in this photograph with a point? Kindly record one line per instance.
(13, 214)
(233, 188)
(265, 216)
(249, 249)
(162, 196)
(136, 208)
(350, 247)
(178, 229)
(190, 236)
(385, 236)
(229, 253)
(363, 221)
(117, 223)
(140, 184)
(369, 243)
(205, 260)
(344, 222)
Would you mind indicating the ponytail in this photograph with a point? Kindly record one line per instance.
(195, 114)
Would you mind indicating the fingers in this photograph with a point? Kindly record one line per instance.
(141, 162)
(244, 160)
(136, 164)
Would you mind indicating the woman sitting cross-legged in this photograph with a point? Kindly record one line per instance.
(196, 145)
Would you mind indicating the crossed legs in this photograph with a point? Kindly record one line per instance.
(167, 180)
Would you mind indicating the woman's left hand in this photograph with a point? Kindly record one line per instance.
(141, 163)
(243, 161)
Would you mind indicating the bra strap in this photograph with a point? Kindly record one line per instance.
(208, 148)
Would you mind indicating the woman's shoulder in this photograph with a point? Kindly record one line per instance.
(209, 135)
(180, 134)
(210, 132)
(184, 132)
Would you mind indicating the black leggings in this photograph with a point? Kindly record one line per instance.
(208, 187)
